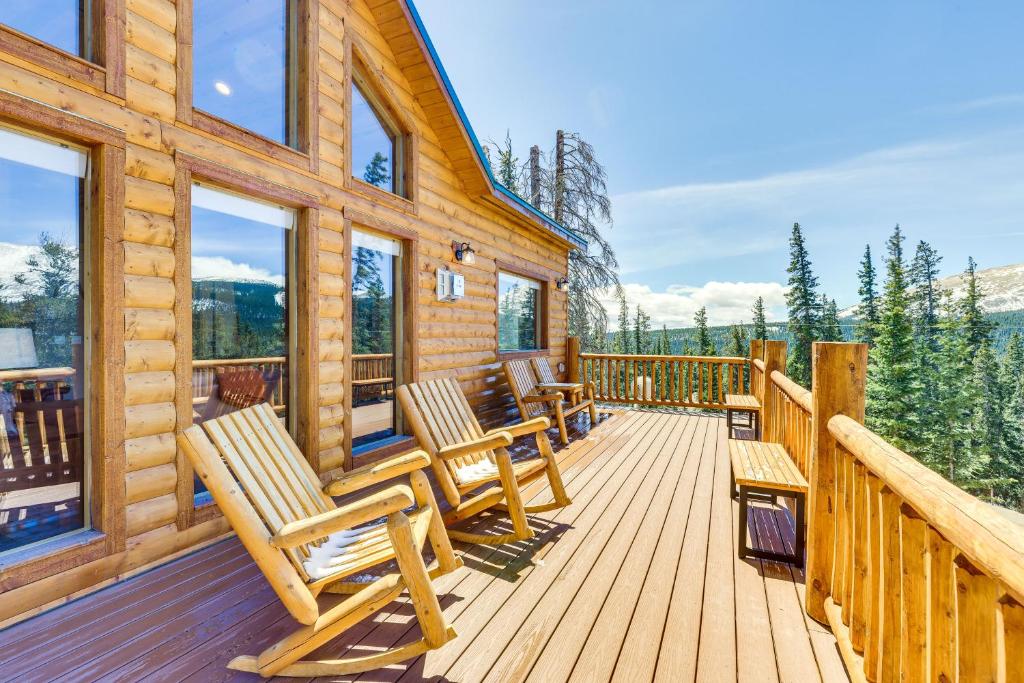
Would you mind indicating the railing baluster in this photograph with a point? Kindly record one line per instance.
(914, 590)
(1012, 614)
(873, 626)
(977, 637)
(891, 587)
(943, 608)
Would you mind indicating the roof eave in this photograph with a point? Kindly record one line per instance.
(498, 190)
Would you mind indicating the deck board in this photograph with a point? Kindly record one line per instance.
(638, 580)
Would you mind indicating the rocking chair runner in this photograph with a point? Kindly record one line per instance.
(537, 400)
(465, 458)
(306, 545)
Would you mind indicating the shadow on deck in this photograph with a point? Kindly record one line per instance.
(638, 578)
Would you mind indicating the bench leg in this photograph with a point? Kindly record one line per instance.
(743, 523)
(728, 423)
(801, 529)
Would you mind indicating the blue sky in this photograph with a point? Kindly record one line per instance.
(722, 122)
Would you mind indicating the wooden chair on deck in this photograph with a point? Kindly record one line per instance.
(306, 545)
(465, 458)
(534, 400)
(546, 382)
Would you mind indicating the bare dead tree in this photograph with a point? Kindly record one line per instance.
(534, 175)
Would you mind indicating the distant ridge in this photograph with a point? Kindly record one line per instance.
(1003, 287)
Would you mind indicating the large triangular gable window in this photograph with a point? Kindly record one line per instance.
(381, 152)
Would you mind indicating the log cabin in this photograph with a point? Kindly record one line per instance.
(206, 206)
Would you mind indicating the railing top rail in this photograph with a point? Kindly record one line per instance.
(214, 362)
(372, 356)
(797, 393)
(991, 542)
(34, 373)
(732, 360)
(759, 364)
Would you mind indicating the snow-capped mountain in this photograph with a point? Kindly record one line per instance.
(1003, 287)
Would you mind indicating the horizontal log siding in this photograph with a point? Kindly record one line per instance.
(454, 339)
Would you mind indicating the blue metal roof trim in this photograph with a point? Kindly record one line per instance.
(530, 208)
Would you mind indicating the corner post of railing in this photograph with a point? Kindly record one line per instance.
(837, 388)
(572, 358)
(756, 353)
(774, 359)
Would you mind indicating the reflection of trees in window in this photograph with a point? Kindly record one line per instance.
(372, 306)
(237, 319)
(376, 172)
(517, 318)
(49, 296)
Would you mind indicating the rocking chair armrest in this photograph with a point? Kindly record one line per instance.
(380, 504)
(553, 397)
(488, 442)
(379, 471)
(537, 424)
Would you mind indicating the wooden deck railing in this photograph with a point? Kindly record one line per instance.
(672, 381)
(917, 579)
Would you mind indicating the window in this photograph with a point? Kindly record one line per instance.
(42, 347)
(519, 313)
(241, 308)
(61, 23)
(376, 337)
(245, 65)
(376, 154)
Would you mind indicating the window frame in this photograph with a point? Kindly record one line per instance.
(543, 302)
(305, 152)
(381, 99)
(303, 285)
(357, 220)
(103, 70)
(102, 263)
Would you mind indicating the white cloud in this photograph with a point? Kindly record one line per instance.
(220, 268)
(12, 261)
(727, 302)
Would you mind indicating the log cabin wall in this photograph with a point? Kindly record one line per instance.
(144, 99)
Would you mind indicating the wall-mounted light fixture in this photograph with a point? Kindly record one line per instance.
(562, 284)
(464, 253)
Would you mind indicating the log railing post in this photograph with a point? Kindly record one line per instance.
(572, 358)
(774, 359)
(756, 353)
(838, 387)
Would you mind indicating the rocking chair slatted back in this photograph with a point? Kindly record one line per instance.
(277, 480)
(523, 383)
(543, 369)
(441, 416)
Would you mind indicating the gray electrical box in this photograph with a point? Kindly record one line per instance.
(450, 285)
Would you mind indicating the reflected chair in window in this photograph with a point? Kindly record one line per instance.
(306, 544)
(534, 400)
(41, 446)
(239, 388)
(465, 458)
(546, 382)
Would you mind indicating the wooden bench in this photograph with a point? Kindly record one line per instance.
(764, 471)
(743, 403)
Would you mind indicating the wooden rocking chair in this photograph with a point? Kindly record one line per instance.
(306, 545)
(537, 400)
(465, 458)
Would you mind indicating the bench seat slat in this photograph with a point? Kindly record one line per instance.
(765, 465)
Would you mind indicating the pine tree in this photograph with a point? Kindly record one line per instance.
(508, 165)
(867, 311)
(831, 329)
(892, 392)
(760, 324)
(740, 348)
(376, 172)
(987, 427)
(1011, 460)
(977, 326)
(666, 343)
(642, 332)
(804, 308)
(705, 344)
(924, 274)
(622, 339)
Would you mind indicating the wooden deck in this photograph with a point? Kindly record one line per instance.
(637, 580)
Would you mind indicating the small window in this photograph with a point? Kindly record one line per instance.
(43, 349)
(241, 312)
(519, 313)
(245, 65)
(376, 148)
(60, 23)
